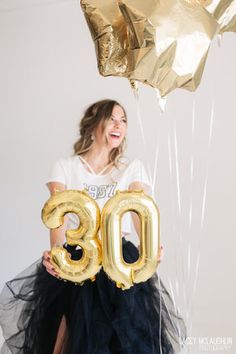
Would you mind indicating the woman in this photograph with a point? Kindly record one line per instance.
(44, 315)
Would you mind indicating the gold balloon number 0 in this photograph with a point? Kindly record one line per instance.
(106, 252)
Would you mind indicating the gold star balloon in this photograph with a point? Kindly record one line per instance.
(109, 33)
(224, 11)
(162, 43)
(168, 42)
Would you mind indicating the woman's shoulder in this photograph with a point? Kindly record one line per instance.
(67, 161)
(127, 167)
(135, 171)
(128, 164)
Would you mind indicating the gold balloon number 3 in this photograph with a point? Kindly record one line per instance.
(107, 252)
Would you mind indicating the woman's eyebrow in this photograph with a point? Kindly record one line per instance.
(120, 117)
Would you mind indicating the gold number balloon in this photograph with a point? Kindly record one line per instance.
(85, 236)
(125, 274)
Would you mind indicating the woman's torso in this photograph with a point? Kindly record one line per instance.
(73, 172)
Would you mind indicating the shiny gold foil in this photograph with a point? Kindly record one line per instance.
(160, 43)
(168, 42)
(126, 274)
(85, 236)
(109, 33)
(224, 11)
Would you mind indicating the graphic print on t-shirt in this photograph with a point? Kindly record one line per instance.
(100, 191)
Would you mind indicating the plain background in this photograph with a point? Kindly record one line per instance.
(48, 76)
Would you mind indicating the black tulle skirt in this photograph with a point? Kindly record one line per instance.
(100, 318)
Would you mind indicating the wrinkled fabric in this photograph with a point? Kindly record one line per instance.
(101, 318)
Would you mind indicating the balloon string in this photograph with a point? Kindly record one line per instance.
(177, 168)
(137, 100)
(172, 294)
(173, 228)
(207, 167)
(190, 215)
(204, 199)
(183, 269)
(203, 208)
(35, 5)
(160, 317)
(194, 288)
(155, 169)
(169, 155)
(162, 300)
(173, 150)
(191, 197)
(188, 301)
(192, 165)
(172, 208)
(175, 326)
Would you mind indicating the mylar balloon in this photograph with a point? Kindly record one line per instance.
(160, 43)
(224, 12)
(85, 235)
(109, 33)
(168, 42)
(126, 274)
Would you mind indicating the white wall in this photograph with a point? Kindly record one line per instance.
(48, 76)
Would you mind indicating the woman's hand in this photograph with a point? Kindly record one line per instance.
(48, 265)
(160, 254)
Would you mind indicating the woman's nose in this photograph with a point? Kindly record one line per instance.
(117, 123)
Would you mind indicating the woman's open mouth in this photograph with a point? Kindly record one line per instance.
(115, 135)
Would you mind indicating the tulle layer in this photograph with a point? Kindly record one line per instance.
(100, 318)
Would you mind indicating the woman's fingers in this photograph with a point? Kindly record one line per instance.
(48, 265)
(46, 255)
(160, 254)
(50, 268)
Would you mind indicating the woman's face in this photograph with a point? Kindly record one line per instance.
(114, 130)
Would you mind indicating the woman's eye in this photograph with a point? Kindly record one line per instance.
(123, 121)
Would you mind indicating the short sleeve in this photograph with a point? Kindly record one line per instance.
(57, 173)
(138, 173)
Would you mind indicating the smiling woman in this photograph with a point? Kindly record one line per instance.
(103, 126)
(41, 314)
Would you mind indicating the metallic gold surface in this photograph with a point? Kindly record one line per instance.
(125, 274)
(224, 11)
(160, 43)
(109, 33)
(168, 42)
(85, 236)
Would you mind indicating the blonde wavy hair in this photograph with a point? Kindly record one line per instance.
(94, 114)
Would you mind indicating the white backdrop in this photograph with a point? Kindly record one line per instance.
(48, 76)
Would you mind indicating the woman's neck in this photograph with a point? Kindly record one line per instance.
(97, 158)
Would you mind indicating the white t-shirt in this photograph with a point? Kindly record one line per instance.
(73, 174)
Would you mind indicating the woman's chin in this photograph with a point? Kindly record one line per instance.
(114, 144)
